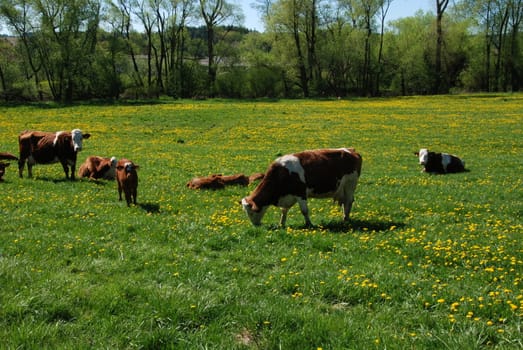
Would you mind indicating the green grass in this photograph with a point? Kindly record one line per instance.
(426, 262)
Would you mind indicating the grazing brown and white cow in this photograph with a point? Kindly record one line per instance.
(3, 165)
(324, 173)
(127, 179)
(39, 147)
(439, 163)
(96, 167)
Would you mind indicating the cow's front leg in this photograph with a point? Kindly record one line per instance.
(72, 171)
(305, 211)
(119, 191)
(21, 164)
(65, 167)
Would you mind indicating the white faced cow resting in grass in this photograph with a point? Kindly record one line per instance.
(439, 163)
(325, 173)
(127, 179)
(39, 147)
(96, 167)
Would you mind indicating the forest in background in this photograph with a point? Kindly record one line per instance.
(77, 50)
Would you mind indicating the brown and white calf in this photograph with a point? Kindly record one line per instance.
(127, 179)
(324, 173)
(3, 165)
(439, 163)
(96, 167)
(39, 147)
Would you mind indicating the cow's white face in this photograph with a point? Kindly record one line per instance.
(255, 216)
(128, 167)
(423, 156)
(77, 139)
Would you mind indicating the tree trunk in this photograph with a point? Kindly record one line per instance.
(441, 6)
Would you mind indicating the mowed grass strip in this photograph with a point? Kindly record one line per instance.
(426, 262)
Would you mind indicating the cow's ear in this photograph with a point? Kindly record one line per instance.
(86, 136)
(136, 166)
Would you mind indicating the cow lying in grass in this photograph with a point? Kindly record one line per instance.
(3, 165)
(96, 167)
(127, 179)
(219, 181)
(439, 163)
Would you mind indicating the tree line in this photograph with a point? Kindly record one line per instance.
(71, 50)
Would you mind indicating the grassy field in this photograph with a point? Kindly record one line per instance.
(427, 262)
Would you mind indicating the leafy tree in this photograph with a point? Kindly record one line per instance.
(441, 6)
(407, 50)
(22, 18)
(297, 21)
(217, 13)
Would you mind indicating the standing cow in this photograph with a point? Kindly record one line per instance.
(325, 173)
(439, 163)
(127, 179)
(39, 147)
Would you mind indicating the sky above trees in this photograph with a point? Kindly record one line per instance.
(398, 9)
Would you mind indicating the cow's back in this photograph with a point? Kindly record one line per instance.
(37, 144)
(324, 169)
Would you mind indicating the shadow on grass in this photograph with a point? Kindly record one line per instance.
(350, 226)
(361, 225)
(56, 180)
(150, 207)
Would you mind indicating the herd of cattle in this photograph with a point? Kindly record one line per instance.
(290, 179)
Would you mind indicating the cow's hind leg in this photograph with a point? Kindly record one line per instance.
(283, 217)
(347, 207)
(305, 211)
(350, 183)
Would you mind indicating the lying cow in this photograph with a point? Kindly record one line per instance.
(439, 163)
(96, 167)
(39, 147)
(2, 170)
(218, 181)
(127, 179)
(3, 165)
(7, 156)
(325, 173)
